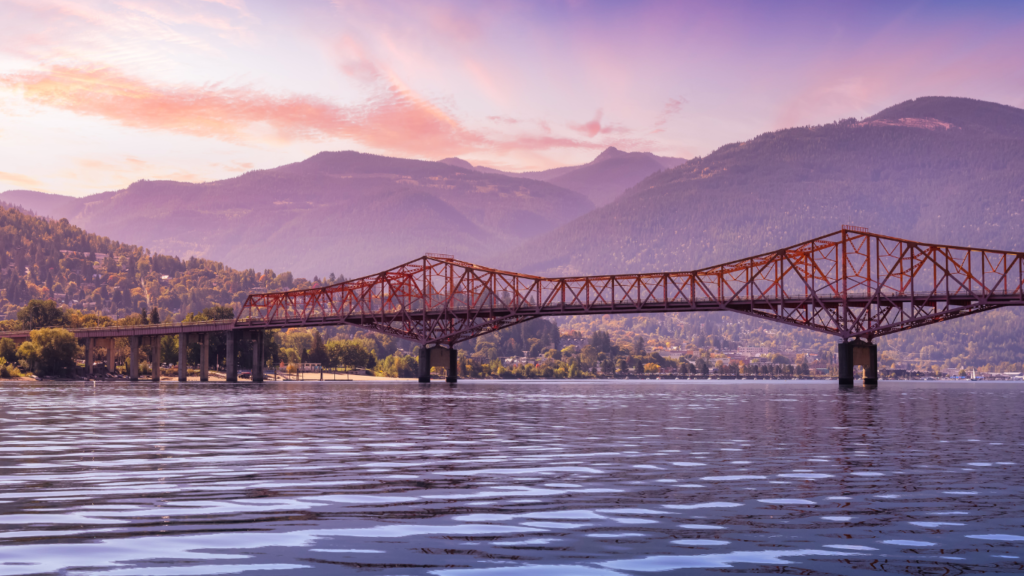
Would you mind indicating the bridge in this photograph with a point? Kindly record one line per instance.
(852, 283)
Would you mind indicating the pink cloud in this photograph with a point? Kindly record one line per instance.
(354, 62)
(397, 119)
(19, 179)
(592, 128)
(595, 127)
(503, 119)
(672, 107)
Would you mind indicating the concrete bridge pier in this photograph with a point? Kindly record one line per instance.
(424, 364)
(154, 358)
(230, 364)
(858, 353)
(110, 355)
(182, 357)
(447, 358)
(453, 366)
(204, 357)
(257, 356)
(133, 358)
(89, 349)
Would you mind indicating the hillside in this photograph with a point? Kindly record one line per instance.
(53, 259)
(612, 173)
(601, 180)
(947, 170)
(342, 211)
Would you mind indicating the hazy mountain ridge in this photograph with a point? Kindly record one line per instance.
(345, 211)
(961, 185)
(601, 180)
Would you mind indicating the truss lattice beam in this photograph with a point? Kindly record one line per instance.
(851, 283)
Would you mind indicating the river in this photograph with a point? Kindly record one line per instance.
(511, 478)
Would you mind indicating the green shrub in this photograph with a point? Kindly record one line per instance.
(8, 370)
(50, 352)
(8, 350)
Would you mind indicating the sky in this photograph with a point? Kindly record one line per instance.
(95, 95)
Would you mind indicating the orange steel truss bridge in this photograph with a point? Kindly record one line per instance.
(852, 283)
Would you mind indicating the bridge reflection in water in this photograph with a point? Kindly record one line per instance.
(851, 283)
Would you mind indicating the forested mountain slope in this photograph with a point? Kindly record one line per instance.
(53, 259)
(334, 211)
(947, 170)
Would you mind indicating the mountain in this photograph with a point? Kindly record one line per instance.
(457, 162)
(336, 211)
(936, 169)
(601, 180)
(611, 173)
(53, 259)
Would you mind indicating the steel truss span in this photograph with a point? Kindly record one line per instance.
(851, 283)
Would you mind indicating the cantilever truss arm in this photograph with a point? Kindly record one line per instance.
(850, 283)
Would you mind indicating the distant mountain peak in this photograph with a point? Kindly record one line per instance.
(932, 112)
(458, 163)
(609, 153)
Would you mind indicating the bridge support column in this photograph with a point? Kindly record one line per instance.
(110, 355)
(858, 353)
(424, 364)
(182, 357)
(89, 349)
(871, 367)
(257, 356)
(204, 357)
(230, 363)
(845, 353)
(453, 366)
(133, 358)
(154, 356)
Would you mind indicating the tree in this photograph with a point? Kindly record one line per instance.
(702, 367)
(353, 353)
(50, 351)
(317, 352)
(8, 350)
(638, 346)
(41, 313)
(398, 365)
(154, 316)
(601, 341)
(169, 349)
(218, 312)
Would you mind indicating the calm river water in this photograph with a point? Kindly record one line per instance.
(509, 479)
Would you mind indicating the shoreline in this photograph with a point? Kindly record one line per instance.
(440, 380)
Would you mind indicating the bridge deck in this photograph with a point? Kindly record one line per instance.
(138, 330)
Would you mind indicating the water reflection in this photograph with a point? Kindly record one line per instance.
(524, 478)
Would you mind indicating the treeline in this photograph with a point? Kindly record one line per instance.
(991, 341)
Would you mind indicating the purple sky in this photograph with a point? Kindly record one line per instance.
(95, 95)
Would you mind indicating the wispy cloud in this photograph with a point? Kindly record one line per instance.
(595, 126)
(396, 119)
(672, 107)
(18, 179)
